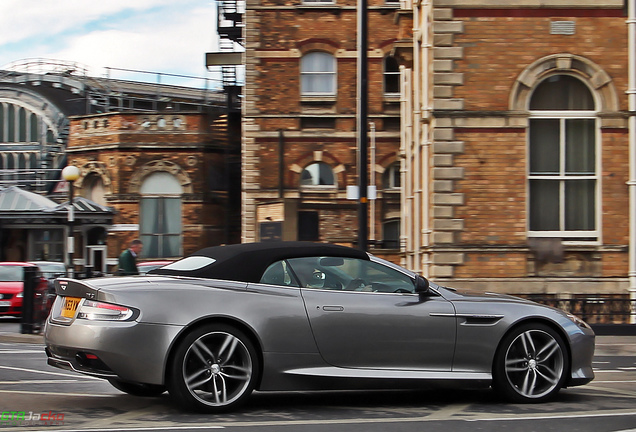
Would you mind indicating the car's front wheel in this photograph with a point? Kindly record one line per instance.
(531, 364)
(215, 368)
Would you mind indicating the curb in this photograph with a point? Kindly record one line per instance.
(22, 338)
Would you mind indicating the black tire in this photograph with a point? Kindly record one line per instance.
(137, 389)
(214, 369)
(531, 364)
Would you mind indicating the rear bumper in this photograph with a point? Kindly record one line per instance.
(132, 351)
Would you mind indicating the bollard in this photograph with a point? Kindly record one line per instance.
(28, 300)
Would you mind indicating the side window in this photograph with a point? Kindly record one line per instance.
(350, 274)
(278, 274)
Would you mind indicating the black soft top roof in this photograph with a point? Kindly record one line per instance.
(247, 262)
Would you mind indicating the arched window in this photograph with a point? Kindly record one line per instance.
(2, 128)
(10, 123)
(317, 174)
(160, 215)
(391, 178)
(391, 76)
(563, 160)
(318, 74)
(94, 189)
(22, 125)
(34, 128)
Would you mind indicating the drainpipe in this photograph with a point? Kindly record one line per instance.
(372, 183)
(417, 139)
(281, 164)
(631, 44)
(406, 144)
(426, 130)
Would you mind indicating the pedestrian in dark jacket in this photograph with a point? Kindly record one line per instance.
(128, 259)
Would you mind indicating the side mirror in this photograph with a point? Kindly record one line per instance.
(422, 286)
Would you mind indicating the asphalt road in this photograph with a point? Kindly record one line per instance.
(53, 399)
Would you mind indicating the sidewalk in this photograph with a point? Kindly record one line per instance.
(10, 332)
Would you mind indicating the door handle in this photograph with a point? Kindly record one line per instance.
(333, 308)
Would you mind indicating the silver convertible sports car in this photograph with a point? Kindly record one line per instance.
(214, 326)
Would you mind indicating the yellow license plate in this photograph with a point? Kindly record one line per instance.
(70, 306)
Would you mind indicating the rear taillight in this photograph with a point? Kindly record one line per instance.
(99, 311)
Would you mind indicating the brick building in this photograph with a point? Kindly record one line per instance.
(523, 128)
(158, 162)
(513, 137)
(299, 121)
(165, 174)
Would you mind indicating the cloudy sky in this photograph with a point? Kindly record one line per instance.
(168, 36)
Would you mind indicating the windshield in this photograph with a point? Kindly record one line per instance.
(11, 274)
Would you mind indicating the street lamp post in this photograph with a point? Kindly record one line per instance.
(70, 173)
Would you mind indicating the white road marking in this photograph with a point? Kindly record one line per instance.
(50, 373)
(614, 382)
(40, 381)
(352, 421)
(42, 393)
(557, 416)
(153, 428)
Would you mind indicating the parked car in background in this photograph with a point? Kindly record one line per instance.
(214, 326)
(51, 270)
(12, 290)
(145, 267)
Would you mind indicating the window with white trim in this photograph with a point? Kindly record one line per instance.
(391, 76)
(160, 215)
(391, 177)
(317, 174)
(318, 74)
(563, 175)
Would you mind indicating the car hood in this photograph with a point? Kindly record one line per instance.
(474, 295)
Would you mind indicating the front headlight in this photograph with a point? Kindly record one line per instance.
(100, 311)
(578, 321)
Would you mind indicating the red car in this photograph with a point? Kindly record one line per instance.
(11, 290)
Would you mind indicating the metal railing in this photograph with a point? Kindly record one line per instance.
(593, 309)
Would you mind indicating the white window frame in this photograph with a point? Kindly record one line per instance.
(393, 170)
(149, 191)
(386, 74)
(314, 187)
(568, 236)
(332, 73)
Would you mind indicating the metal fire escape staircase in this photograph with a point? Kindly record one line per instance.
(230, 28)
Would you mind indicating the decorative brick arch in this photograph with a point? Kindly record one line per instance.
(599, 81)
(98, 169)
(308, 158)
(160, 166)
(318, 44)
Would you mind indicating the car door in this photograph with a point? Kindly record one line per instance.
(365, 324)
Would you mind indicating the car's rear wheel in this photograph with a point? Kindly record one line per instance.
(137, 389)
(531, 364)
(215, 369)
